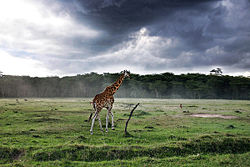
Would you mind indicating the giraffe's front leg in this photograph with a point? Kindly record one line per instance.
(112, 116)
(100, 123)
(93, 122)
(107, 121)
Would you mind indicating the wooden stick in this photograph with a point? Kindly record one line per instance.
(126, 132)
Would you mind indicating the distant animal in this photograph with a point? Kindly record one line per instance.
(181, 106)
(106, 100)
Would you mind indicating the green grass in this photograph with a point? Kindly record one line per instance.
(55, 132)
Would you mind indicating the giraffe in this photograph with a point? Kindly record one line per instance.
(106, 100)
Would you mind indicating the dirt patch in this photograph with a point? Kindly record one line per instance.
(202, 115)
(45, 119)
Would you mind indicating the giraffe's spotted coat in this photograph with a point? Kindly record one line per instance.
(106, 100)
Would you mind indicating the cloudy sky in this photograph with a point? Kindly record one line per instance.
(61, 37)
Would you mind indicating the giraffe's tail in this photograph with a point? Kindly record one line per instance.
(90, 116)
(92, 111)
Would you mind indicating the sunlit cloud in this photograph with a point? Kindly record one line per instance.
(29, 29)
(11, 65)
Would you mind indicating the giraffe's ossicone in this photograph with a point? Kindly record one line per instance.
(106, 100)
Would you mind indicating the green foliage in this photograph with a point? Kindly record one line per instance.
(166, 85)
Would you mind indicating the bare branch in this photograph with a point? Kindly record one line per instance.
(126, 132)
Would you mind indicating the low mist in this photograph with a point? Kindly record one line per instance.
(166, 85)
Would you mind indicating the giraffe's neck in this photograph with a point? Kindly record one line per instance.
(115, 86)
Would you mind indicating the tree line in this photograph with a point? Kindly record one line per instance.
(165, 85)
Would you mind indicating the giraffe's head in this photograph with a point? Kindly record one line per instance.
(126, 73)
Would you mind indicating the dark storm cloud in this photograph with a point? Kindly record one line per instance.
(209, 32)
(118, 18)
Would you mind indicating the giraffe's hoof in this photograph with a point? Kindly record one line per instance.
(113, 128)
(91, 132)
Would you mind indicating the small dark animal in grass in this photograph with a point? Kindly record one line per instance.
(181, 106)
(106, 100)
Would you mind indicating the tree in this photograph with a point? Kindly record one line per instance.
(166, 85)
(1, 73)
(217, 71)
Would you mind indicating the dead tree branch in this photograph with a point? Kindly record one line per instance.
(126, 132)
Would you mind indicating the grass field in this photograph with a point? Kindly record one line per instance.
(55, 132)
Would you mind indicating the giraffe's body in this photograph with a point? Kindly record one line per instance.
(106, 100)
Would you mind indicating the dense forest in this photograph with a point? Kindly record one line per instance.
(165, 85)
